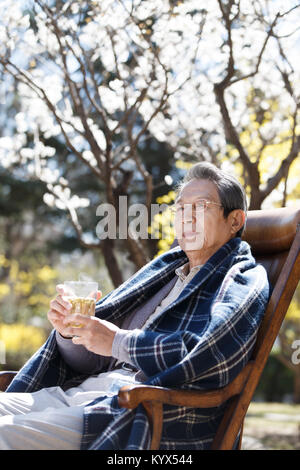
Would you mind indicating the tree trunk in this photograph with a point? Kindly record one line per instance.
(256, 199)
(137, 252)
(107, 247)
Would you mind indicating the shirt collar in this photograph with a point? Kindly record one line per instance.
(183, 271)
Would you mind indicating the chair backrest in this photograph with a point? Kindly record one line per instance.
(274, 237)
(271, 234)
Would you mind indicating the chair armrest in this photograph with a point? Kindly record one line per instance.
(130, 396)
(5, 379)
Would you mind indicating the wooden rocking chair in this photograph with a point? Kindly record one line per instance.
(274, 237)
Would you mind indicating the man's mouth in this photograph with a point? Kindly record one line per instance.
(189, 234)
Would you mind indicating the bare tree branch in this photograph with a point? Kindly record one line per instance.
(23, 77)
(73, 87)
(252, 74)
(231, 133)
(273, 182)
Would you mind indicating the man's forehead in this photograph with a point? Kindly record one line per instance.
(198, 189)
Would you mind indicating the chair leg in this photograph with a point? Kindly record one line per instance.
(224, 428)
(239, 445)
(154, 410)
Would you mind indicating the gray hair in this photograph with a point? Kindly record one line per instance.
(231, 193)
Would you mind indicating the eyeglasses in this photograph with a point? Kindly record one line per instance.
(199, 206)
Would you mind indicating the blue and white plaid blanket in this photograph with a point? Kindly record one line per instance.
(201, 341)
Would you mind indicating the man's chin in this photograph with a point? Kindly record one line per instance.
(191, 243)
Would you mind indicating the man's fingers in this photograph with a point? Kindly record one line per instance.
(77, 340)
(54, 305)
(54, 316)
(62, 296)
(59, 306)
(64, 302)
(79, 331)
(60, 288)
(77, 318)
(99, 295)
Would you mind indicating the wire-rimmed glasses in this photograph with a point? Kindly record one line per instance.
(200, 206)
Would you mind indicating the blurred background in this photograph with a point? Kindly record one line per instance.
(118, 98)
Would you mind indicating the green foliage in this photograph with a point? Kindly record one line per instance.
(276, 381)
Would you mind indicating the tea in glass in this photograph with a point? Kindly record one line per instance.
(82, 295)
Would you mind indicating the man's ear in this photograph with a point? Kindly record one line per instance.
(237, 220)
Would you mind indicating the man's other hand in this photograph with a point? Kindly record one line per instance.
(95, 334)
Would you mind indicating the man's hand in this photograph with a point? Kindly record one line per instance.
(59, 308)
(95, 334)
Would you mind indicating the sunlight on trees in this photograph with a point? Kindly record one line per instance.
(82, 95)
(198, 78)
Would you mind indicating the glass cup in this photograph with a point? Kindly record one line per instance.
(82, 295)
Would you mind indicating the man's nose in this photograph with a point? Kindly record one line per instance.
(188, 214)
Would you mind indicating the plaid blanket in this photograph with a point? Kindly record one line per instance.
(201, 341)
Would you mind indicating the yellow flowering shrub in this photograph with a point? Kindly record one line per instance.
(20, 343)
(162, 226)
(4, 290)
(27, 289)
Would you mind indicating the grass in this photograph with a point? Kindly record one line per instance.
(272, 426)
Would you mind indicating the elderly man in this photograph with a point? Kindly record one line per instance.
(187, 319)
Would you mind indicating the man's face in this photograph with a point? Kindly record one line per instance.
(197, 227)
